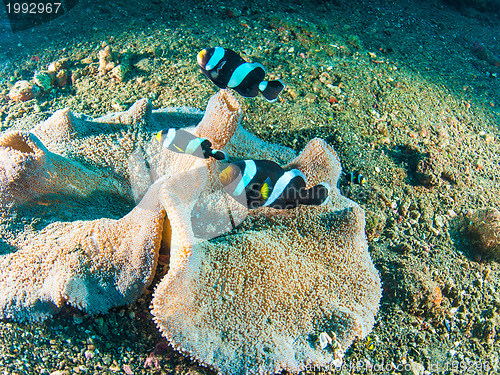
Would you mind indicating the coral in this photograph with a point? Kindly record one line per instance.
(241, 296)
(28, 171)
(257, 299)
(483, 232)
(105, 60)
(108, 62)
(44, 79)
(22, 91)
(65, 190)
(92, 265)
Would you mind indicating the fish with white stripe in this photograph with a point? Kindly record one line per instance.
(266, 184)
(227, 69)
(183, 142)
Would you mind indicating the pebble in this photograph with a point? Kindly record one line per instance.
(105, 61)
(336, 90)
(78, 319)
(144, 64)
(119, 72)
(57, 65)
(439, 221)
(107, 360)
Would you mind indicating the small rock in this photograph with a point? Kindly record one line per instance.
(119, 72)
(75, 76)
(105, 61)
(61, 78)
(439, 221)
(143, 64)
(87, 61)
(325, 78)
(57, 65)
(336, 90)
(106, 360)
(22, 91)
(127, 369)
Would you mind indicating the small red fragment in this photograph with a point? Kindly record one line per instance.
(438, 296)
(333, 100)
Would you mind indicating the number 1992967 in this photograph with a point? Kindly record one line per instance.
(33, 8)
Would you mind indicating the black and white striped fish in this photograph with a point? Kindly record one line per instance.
(266, 184)
(355, 177)
(226, 68)
(181, 141)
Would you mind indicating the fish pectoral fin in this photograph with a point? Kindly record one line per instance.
(264, 191)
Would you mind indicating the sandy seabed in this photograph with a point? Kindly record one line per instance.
(407, 93)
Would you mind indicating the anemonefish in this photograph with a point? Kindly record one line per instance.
(183, 142)
(370, 343)
(355, 178)
(266, 184)
(226, 68)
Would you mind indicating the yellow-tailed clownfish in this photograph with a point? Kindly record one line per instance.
(266, 184)
(226, 68)
(183, 142)
(355, 178)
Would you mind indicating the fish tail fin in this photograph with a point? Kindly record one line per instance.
(317, 195)
(271, 89)
(219, 155)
